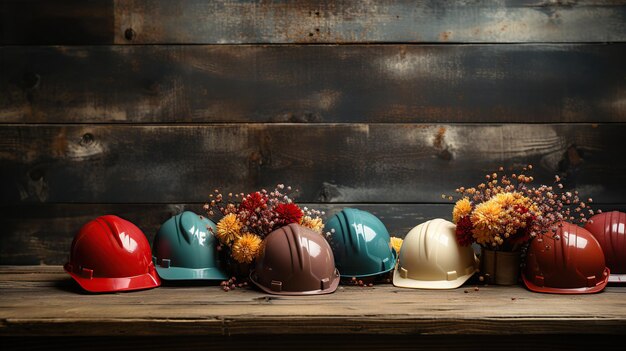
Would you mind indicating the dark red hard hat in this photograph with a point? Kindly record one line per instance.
(111, 254)
(572, 262)
(295, 261)
(610, 230)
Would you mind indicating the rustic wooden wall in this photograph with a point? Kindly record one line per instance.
(141, 108)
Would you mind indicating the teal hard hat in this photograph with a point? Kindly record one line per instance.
(185, 249)
(360, 244)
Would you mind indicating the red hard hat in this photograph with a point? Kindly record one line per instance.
(571, 263)
(295, 261)
(111, 254)
(610, 230)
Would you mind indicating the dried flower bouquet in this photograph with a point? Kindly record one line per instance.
(247, 219)
(506, 211)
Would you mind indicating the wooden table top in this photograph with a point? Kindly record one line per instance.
(44, 301)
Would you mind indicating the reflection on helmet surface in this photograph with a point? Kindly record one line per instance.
(367, 233)
(578, 241)
(199, 235)
(314, 249)
(128, 243)
(443, 240)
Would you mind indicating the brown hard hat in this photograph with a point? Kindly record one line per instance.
(572, 262)
(295, 261)
(609, 229)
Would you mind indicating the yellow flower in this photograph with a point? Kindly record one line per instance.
(486, 221)
(482, 236)
(246, 248)
(462, 208)
(507, 199)
(487, 215)
(396, 243)
(313, 223)
(228, 228)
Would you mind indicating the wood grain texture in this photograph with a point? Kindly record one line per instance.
(69, 22)
(327, 342)
(41, 234)
(63, 22)
(381, 163)
(307, 21)
(46, 301)
(295, 83)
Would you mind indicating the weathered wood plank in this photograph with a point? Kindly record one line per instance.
(53, 305)
(64, 22)
(68, 22)
(353, 83)
(327, 342)
(309, 21)
(42, 233)
(328, 162)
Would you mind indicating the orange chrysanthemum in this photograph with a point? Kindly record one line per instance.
(486, 221)
(461, 209)
(228, 228)
(246, 248)
(315, 224)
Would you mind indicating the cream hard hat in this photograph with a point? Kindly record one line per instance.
(431, 258)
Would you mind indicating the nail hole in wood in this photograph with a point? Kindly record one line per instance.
(36, 174)
(87, 139)
(129, 34)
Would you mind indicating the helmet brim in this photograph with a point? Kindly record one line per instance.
(429, 284)
(393, 265)
(103, 285)
(181, 273)
(584, 290)
(331, 289)
(344, 276)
